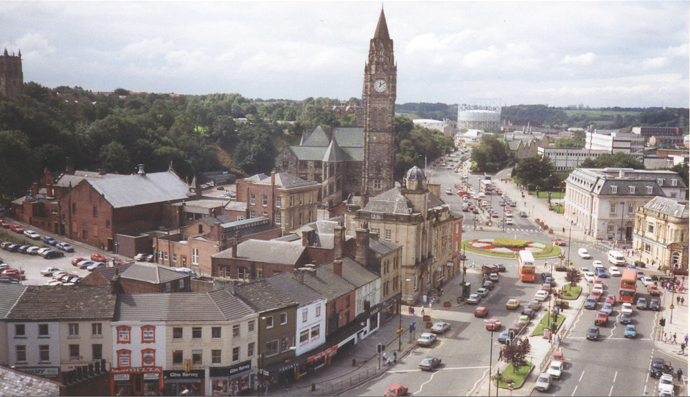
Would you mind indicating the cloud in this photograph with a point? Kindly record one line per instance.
(33, 46)
(584, 59)
(148, 48)
(654, 63)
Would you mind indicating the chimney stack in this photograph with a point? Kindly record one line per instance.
(141, 170)
(299, 275)
(234, 246)
(338, 241)
(362, 241)
(338, 267)
(305, 238)
(232, 287)
(273, 179)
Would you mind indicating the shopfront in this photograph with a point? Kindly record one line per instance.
(231, 381)
(185, 383)
(138, 381)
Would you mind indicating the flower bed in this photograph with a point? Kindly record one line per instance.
(509, 248)
(509, 243)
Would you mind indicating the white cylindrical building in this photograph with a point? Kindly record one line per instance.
(480, 114)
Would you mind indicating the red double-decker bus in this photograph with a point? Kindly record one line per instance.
(628, 286)
(526, 266)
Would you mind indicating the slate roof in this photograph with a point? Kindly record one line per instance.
(317, 137)
(334, 153)
(77, 302)
(382, 247)
(287, 181)
(434, 201)
(308, 152)
(326, 283)
(277, 252)
(349, 137)
(9, 295)
(66, 179)
(256, 178)
(219, 305)
(666, 205)
(298, 292)
(151, 273)
(109, 272)
(262, 296)
(514, 144)
(236, 206)
(353, 272)
(317, 145)
(18, 383)
(133, 190)
(390, 202)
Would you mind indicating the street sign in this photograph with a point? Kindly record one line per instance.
(511, 387)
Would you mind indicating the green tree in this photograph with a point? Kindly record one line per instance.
(534, 171)
(682, 170)
(115, 158)
(573, 276)
(617, 160)
(491, 155)
(516, 353)
(17, 164)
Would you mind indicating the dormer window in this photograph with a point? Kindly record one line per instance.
(660, 181)
(632, 189)
(614, 189)
(650, 189)
(674, 182)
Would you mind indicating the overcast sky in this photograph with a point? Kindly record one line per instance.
(557, 53)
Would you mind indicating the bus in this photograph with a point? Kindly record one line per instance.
(526, 266)
(628, 286)
(485, 186)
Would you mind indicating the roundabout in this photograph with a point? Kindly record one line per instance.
(509, 248)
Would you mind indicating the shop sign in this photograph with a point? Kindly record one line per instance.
(136, 370)
(151, 376)
(330, 352)
(230, 371)
(196, 374)
(121, 377)
(49, 372)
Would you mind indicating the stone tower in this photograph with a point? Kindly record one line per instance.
(380, 80)
(11, 76)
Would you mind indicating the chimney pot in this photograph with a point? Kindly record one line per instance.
(141, 170)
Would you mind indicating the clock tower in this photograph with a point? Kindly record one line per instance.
(378, 97)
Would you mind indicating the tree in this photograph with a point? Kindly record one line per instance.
(114, 157)
(573, 276)
(491, 155)
(17, 164)
(533, 172)
(682, 170)
(516, 353)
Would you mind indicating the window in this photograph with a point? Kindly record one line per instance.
(650, 189)
(148, 334)
(300, 219)
(74, 208)
(74, 352)
(283, 318)
(674, 182)
(177, 333)
(181, 285)
(347, 301)
(269, 322)
(305, 315)
(95, 212)
(195, 256)
(631, 208)
(660, 181)
(44, 353)
(650, 227)
(250, 326)
(250, 350)
(292, 201)
(315, 332)
(19, 330)
(168, 287)
(318, 310)
(252, 201)
(271, 348)
(304, 337)
(236, 330)
(240, 217)
(311, 198)
(264, 200)
(243, 273)
(215, 332)
(21, 353)
(96, 352)
(177, 357)
(631, 189)
(301, 199)
(235, 354)
(614, 189)
(43, 330)
(123, 334)
(279, 201)
(612, 208)
(252, 214)
(377, 184)
(388, 233)
(311, 218)
(96, 329)
(196, 357)
(148, 357)
(215, 356)
(196, 332)
(278, 218)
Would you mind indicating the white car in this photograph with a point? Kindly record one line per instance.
(541, 296)
(48, 271)
(584, 270)
(43, 250)
(32, 234)
(598, 287)
(543, 382)
(509, 221)
(589, 276)
(555, 369)
(665, 384)
(426, 339)
(597, 264)
(449, 191)
(95, 266)
(53, 282)
(582, 252)
(474, 298)
(647, 280)
(614, 271)
(440, 327)
(33, 250)
(57, 275)
(627, 308)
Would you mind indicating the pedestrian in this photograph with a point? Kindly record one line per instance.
(686, 339)
(682, 300)
(266, 384)
(395, 356)
(674, 339)
(412, 310)
(431, 302)
(422, 311)
(677, 300)
(680, 375)
(563, 229)
(384, 359)
(682, 347)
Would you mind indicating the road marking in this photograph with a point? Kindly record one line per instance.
(583, 374)
(402, 371)
(614, 377)
(422, 385)
(606, 338)
(574, 391)
(483, 377)
(611, 391)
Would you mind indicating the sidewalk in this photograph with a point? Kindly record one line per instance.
(676, 323)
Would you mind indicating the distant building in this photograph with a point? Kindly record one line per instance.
(566, 159)
(614, 141)
(526, 144)
(447, 127)
(480, 114)
(662, 135)
(661, 232)
(11, 75)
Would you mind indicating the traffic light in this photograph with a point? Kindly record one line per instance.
(662, 322)
(380, 348)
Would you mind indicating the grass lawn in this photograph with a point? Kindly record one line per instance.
(571, 293)
(546, 323)
(518, 377)
(554, 195)
(558, 208)
(554, 251)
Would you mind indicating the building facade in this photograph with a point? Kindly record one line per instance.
(613, 141)
(661, 233)
(11, 75)
(662, 135)
(567, 159)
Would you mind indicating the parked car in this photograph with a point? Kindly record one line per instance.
(535, 305)
(555, 369)
(49, 240)
(76, 261)
(474, 298)
(65, 247)
(527, 312)
(85, 264)
(395, 390)
(17, 228)
(541, 296)
(429, 363)
(630, 331)
(426, 339)
(48, 271)
(139, 257)
(95, 266)
(493, 324)
(50, 254)
(32, 235)
(98, 257)
(482, 292)
(593, 333)
(659, 367)
(504, 337)
(512, 304)
(523, 214)
(33, 250)
(493, 277)
(22, 249)
(665, 384)
(440, 327)
(516, 326)
(543, 382)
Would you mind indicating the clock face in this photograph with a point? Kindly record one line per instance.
(380, 85)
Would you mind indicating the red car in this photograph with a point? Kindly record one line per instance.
(546, 287)
(493, 324)
(17, 228)
(558, 241)
(610, 299)
(481, 311)
(516, 326)
(76, 260)
(13, 273)
(494, 215)
(557, 356)
(652, 289)
(4, 223)
(595, 294)
(98, 257)
(602, 318)
(396, 390)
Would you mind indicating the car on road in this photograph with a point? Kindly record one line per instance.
(65, 247)
(555, 369)
(98, 257)
(626, 318)
(482, 292)
(500, 267)
(593, 333)
(665, 384)
(85, 264)
(493, 277)
(641, 303)
(535, 305)
(659, 367)
(523, 214)
(588, 276)
(429, 363)
(590, 303)
(630, 331)
(449, 191)
(504, 337)
(474, 298)
(601, 272)
(541, 296)
(50, 254)
(654, 304)
(512, 304)
(95, 266)
(646, 280)
(13, 274)
(543, 382)
(653, 290)
(494, 214)
(614, 271)
(602, 318)
(558, 356)
(583, 253)
(440, 327)
(426, 339)
(597, 264)
(527, 312)
(607, 308)
(596, 294)
(481, 311)
(492, 324)
(640, 275)
(32, 235)
(509, 221)
(516, 326)
(48, 271)
(49, 240)
(558, 241)
(395, 390)
(610, 298)
(627, 308)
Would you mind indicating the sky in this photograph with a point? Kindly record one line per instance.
(598, 54)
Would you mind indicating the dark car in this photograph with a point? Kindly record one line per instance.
(626, 318)
(22, 249)
(590, 303)
(53, 254)
(528, 312)
(504, 337)
(641, 303)
(429, 363)
(49, 240)
(593, 333)
(501, 267)
(654, 304)
(546, 275)
(601, 272)
(535, 305)
(13, 247)
(659, 366)
(488, 284)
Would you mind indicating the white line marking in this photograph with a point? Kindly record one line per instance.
(611, 391)
(574, 390)
(614, 377)
(483, 377)
(422, 385)
(402, 371)
(583, 374)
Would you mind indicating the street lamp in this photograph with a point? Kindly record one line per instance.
(570, 233)
(491, 354)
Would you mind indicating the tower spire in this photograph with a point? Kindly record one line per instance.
(382, 27)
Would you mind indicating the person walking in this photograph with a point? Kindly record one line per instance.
(682, 347)
(674, 339)
(422, 311)
(665, 337)
(395, 356)
(680, 375)
(682, 300)
(677, 300)
(384, 358)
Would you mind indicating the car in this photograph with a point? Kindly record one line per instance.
(515, 326)
(598, 288)
(583, 253)
(596, 294)
(641, 303)
(659, 367)
(429, 363)
(550, 280)
(98, 257)
(541, 296)
(584, 270)
(13, 274)
(534, 305)
(640, 275)
(140, 257)
(500, 267)
(593, 333)
(32, 235)
(493, 277)
(33, 250)
(95, 266)
(601, 272)
(4, 223)
(494, 214)
(546, 287)
(474, 298)
(17, 228)
(65, 247)
(597, 264)
(627, 308)
(558, 356)
(44, 250)
(524, 319)
(48, 271)
(14, 247)
(49, 240)
(607, 308)
(492, 324)
(527, 312)
(588, 276)
(625, 318)
(654, 304)
(543, 382)
(50, 254)
(426, 339)
(504, 337)
(614, 271)
(482, 292)
(590, 303)
(53, 282)
(631, 266)
(646, 280)
(555, 369)
(440, 327)
(512, 304)
(150, 258)
(653, 290)
(85, 264)
(501, 202)
(395, 390)
(610, 298)
(602, 318)
(75, 261)
(630, 331)
(523, 214)
(22, 249)
(57, 275)
(509, 221)
(481, 311)
(65, 277)
(558, 241)
(449, 191)
(666, 384)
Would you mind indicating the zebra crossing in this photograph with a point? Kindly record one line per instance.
(523, 230)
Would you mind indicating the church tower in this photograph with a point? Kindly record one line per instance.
(378, 96)
(11, 76)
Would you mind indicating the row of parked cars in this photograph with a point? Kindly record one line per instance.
(554, 371)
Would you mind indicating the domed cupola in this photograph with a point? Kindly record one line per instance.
(415, 179)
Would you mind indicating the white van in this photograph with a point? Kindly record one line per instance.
(582, 252)
(616, 257)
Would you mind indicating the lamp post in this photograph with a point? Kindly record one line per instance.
(400, 322)
(570, 233)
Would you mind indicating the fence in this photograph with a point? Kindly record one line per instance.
(335, 387)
